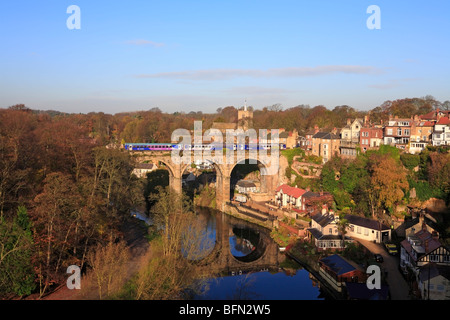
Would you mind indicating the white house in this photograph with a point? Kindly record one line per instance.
(441, 134)
(142, 169)
(367, 229)
(289, 197)
(245, 186)
(325, 233)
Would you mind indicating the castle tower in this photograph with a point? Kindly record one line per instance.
(245, 118)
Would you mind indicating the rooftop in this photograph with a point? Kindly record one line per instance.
(291, 191)
(365, 222)
(245, 184)
(433, 270)
(443, 121)
(326, 135)
(338, 264)
(323, 219)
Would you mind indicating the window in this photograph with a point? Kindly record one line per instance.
(406, 132)
(434, 257)
(366, 232)
(358, 230)
(330, 231)
(389, 131)
(399, 131)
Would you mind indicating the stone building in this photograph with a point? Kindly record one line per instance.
(325, 145)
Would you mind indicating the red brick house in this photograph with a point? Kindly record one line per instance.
(370, 138)
(309, 138)
(397, 132)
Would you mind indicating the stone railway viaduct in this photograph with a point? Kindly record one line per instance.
(223, 165)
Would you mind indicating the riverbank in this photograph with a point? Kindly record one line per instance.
(310, 261)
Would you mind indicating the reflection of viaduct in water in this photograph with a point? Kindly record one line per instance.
(265, 256)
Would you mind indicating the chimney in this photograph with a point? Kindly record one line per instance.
(366, 120)
(349, 121)
(316, 128)
(422, 222)
(435, 235)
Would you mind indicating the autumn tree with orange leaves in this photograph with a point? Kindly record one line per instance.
(388, 182)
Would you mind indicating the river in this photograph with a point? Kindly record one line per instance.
(282, 280)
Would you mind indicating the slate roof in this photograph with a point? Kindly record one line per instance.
(144, 166)
(427, 243)
(326, 135)
(338, 264)
(433, 270)
(246, 184)
(365, 222)
(320, 236)
(323, 219)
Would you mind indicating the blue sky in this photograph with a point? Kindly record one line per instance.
(201, 55)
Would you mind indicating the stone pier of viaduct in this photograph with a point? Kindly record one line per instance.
(223, 165)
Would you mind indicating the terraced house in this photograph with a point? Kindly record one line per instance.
(397, 132)
(421, 132)
(370, 138)
(326, 145)
(350, 135)
(441, 134)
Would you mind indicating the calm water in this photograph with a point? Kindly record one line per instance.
(294, 284)
(264, 286)
(281, 284)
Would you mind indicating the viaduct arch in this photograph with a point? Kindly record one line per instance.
(269, 168)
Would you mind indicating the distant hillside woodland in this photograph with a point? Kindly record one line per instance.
(62, 192)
